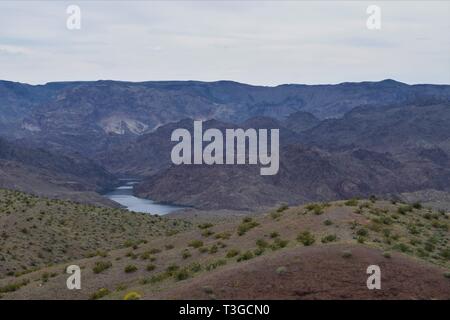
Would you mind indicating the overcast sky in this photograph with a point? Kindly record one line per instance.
(261, 42)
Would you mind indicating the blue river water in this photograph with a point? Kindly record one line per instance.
(124, 196)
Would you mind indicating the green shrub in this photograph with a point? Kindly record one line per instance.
(14, 286)
(329, 238)
(195, 267)
(258, 251)
(207, 233)
(213, 249)
(417, 205)
(279, 244)
(150, 267)
(275, 215)
(182, 274)
(246, 225)
(99, 294)
(245, 256)
(274, 234)
(306, 238)
(215, 264)
(186, 254)
(283, 207)
(223, 236)
(262, 243)
(205, 225)
(130, 268)
(362, 232)
(328, 222)
(172, 268)
(196, 243)
(316, 208)
(351, 203)
(232, 253)
(132, 296)
(101, 266)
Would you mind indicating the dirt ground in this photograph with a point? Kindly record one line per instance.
(319, 273)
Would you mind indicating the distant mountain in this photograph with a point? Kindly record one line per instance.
(380, 150)
(88, 117)
(386, 128)
(43, 173)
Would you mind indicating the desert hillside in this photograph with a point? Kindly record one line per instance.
(320, 250)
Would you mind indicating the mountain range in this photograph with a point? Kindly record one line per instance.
(337, 141)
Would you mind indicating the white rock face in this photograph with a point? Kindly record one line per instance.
(121, 124)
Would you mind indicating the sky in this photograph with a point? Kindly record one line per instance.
(256, 42)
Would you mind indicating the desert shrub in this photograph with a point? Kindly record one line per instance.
(262, 243)
(203, 249)
(246, 225)
(150, 267)
(328, 222)
(186, 254)
(130, 268)
(101, 266)
(172, 268)
(316, 208)
(99, 294)
(362, 232)
(196, 243)
(281, 270)
(245, 256)
(279, 244)
(429, 246)
(274, 235)
(445, 253)
(213, 249)
(417, 205)
(351, 203)
(169, 246)
(232, 253)
(258, 251)
(329, 238)
(223, 236)
(402, 247)
(132, 296)
(207, 233)
(275, 215)
(154, 251)
(306, 238)
(283, 207)
(215, 264)
(182, 274)
(387, 255)
(145, 255)
(195, 267)
(14, 286)
(205, 226)
(160, 277)
(404, 209)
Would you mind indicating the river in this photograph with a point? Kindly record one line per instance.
(124, 196)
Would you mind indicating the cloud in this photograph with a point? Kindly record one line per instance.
(262, 42)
